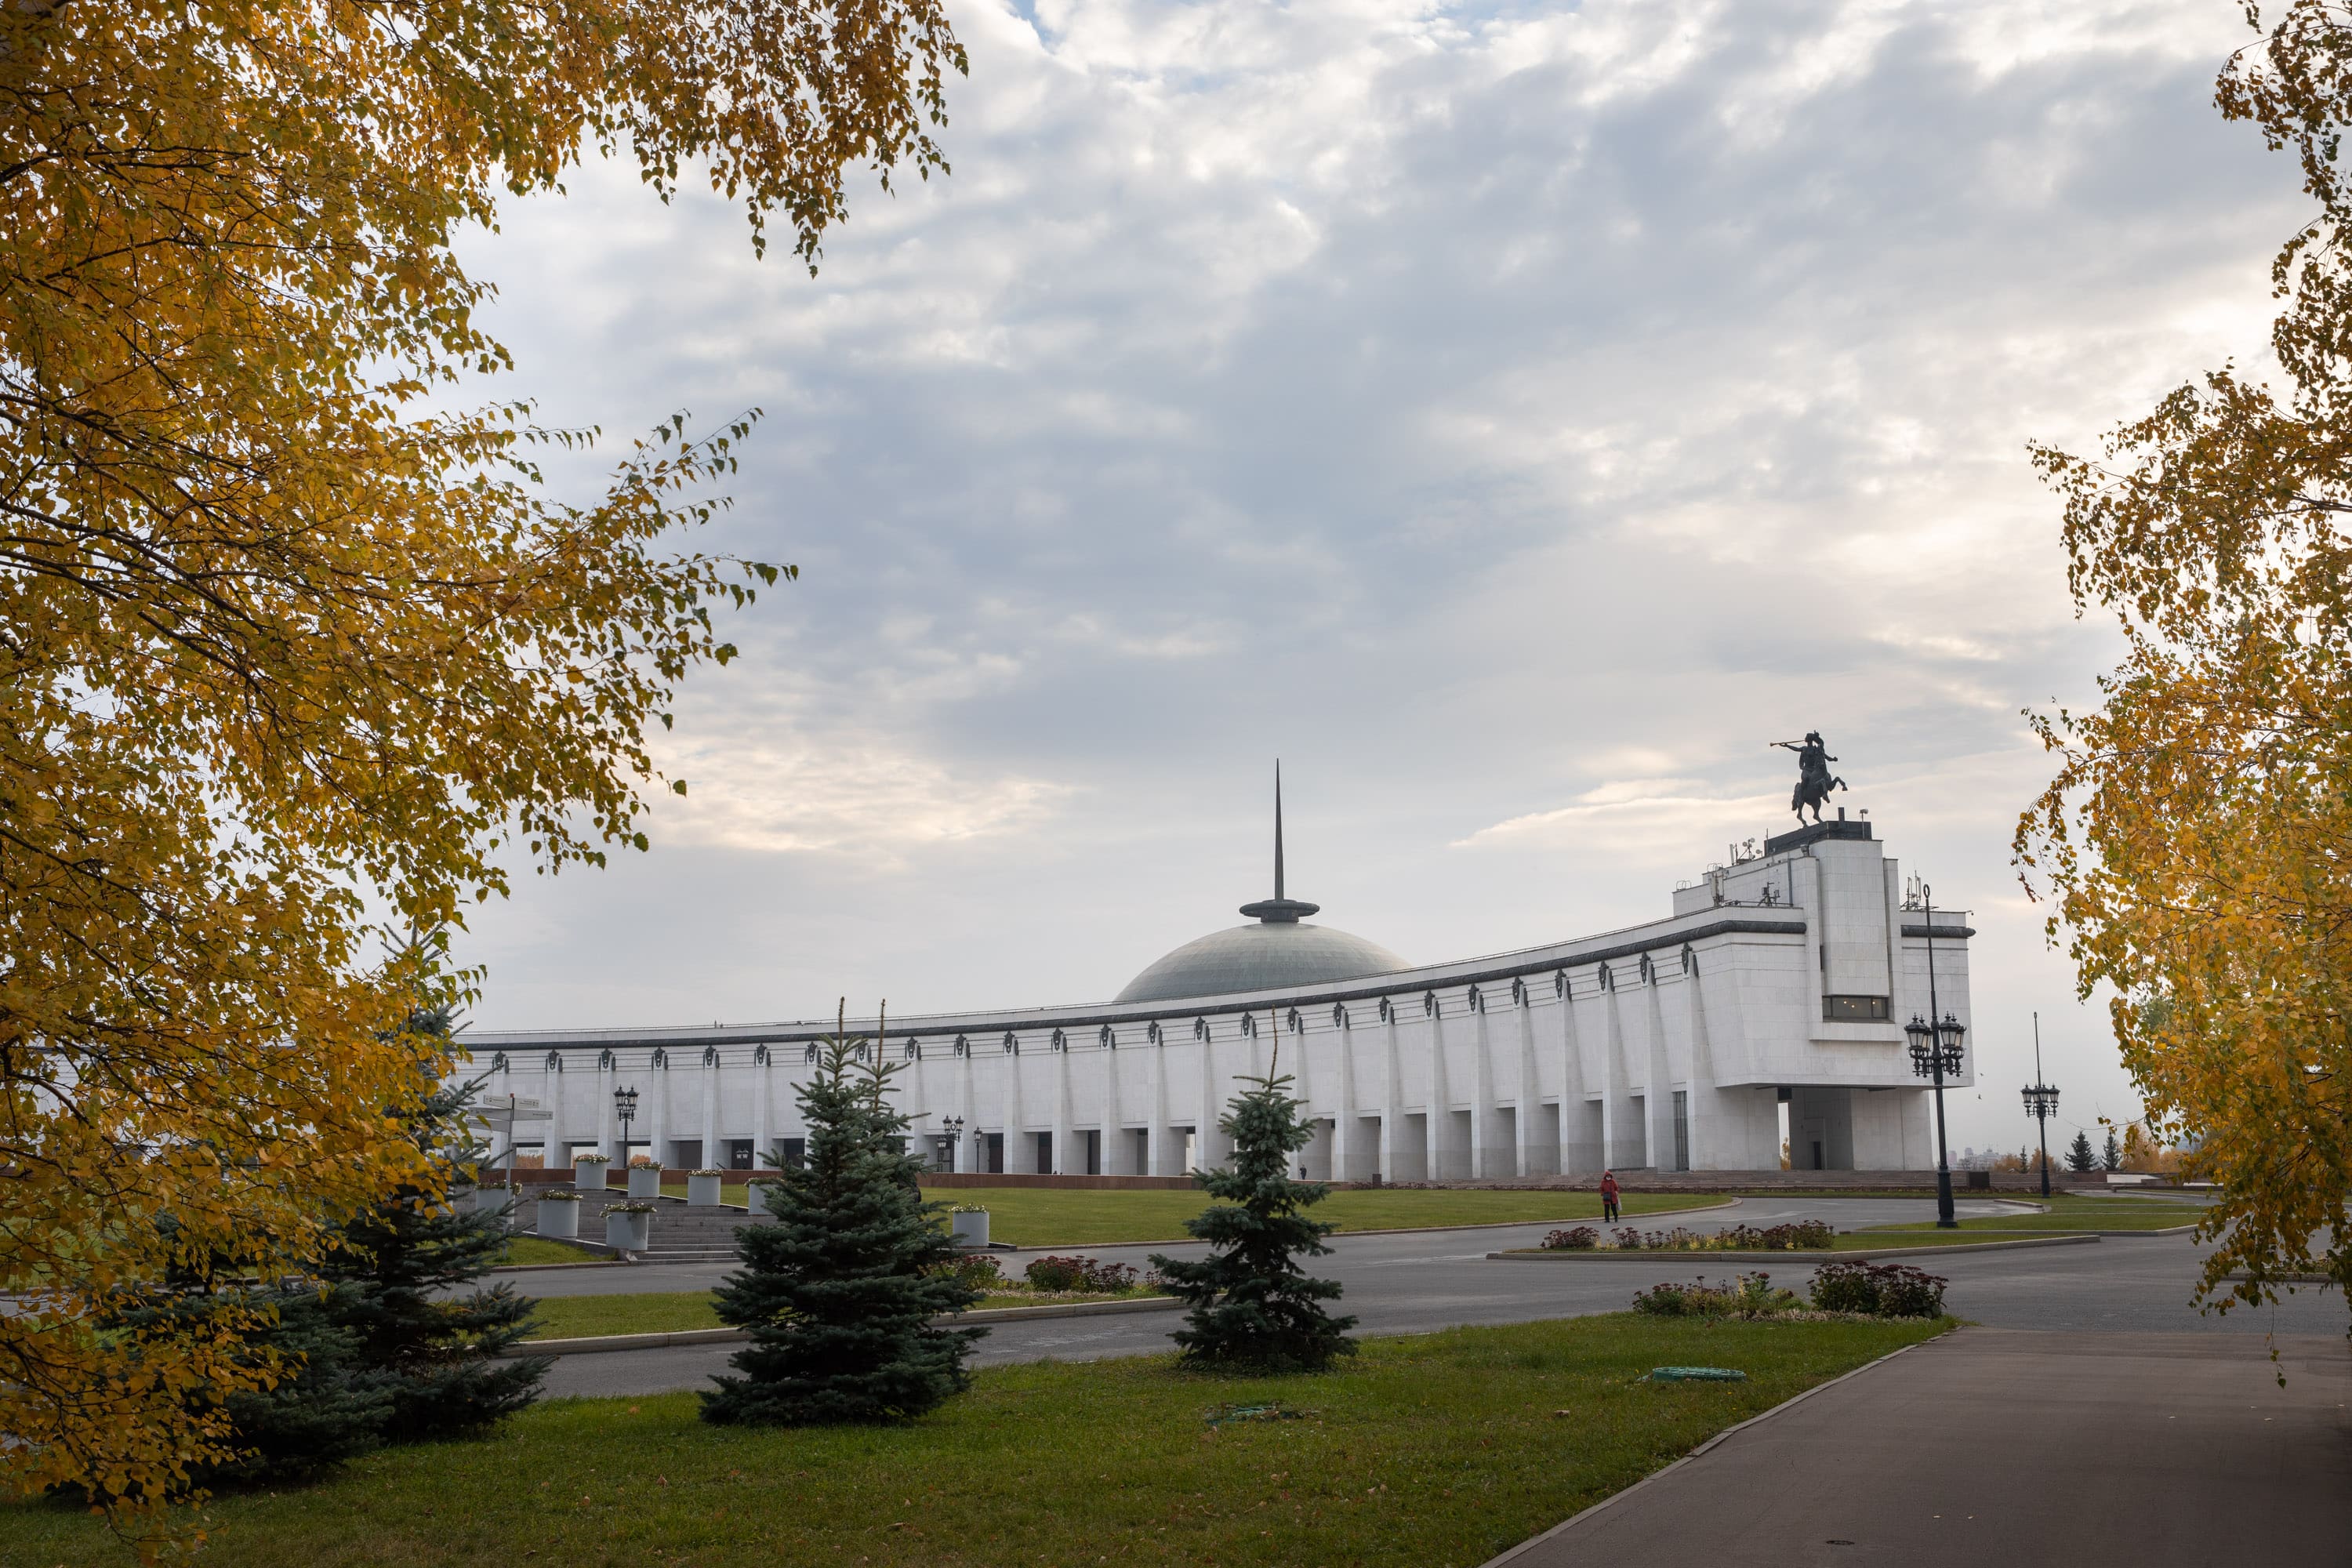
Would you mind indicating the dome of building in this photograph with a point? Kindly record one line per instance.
(1280, 952)
(1266, 955)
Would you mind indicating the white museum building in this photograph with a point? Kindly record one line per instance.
(1772, 1002)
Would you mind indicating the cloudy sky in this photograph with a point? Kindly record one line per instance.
(1512, 419)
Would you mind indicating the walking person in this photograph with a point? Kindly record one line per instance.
(1609, 1197)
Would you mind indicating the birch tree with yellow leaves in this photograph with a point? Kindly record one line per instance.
(283, 641)
(2198, 838)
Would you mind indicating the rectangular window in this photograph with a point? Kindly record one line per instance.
(1682, 1129)
(1853, 1009)
(739, 1154)
(994, 1146)
(795, 1149)
(1044, 1154)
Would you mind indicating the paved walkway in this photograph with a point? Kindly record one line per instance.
(1997, 1445)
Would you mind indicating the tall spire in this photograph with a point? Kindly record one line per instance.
(1281, 908)
(1277, 829)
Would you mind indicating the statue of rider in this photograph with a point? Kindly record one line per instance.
(1814, 780)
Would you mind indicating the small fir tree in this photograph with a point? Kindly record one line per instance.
(2111, 1158)
(400, 1259)
(2079, 1157)
(1252, 1307)
(840, 1294)
(322, 1409)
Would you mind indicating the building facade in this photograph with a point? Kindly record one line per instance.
(1770, 1003)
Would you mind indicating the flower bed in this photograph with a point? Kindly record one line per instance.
(1806, 1235)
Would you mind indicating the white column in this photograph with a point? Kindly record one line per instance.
(1115, 1157)
(556, 1149)
(1156, 1132)
(1660, 1105)
(1439, 1121)
(657, 1110)
(1204, 1125)
(763, 1072)
(1482, 1093)
(1391, 1093)
(1020, 1146)
(1577, 1155)
(1524, 1119)
(969, 1157)
(608, 1115)
(1343, 1125)
(710, 1109)
(1064, 1164)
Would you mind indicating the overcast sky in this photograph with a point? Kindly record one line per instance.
(1512, 419)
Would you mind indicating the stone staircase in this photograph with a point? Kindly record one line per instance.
(681, 1233)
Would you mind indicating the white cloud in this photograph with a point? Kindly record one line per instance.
(1513, 417)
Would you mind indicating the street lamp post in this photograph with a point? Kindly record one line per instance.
(1936, 1054)
(2042, 1104)
(625, 1106)
(950, 1130)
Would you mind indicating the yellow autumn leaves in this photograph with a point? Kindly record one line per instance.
(276, 642)
(2196, 838)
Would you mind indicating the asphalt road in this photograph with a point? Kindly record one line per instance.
(1419, 1281)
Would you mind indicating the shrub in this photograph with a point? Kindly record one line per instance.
(644, 1163)
(1079, 1274)
(1626, 1237)
(592, 1158)
(1579, 1238)
(974, 1270)
(708, 1172)
(1878, 1289)
(560, 1195)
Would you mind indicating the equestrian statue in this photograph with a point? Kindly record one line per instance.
(1814, 780)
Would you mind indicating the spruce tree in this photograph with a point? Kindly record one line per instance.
(839, 1294)
(1252, 1307)
(2111, 1158)
(2078, 1156)
(325, 1407)
(394, 1273)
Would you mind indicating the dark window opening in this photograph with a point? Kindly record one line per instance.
(739, 1154)
(1044, 1154)
(1094, 1153)
(795, 1149)
(1853, 1009)
(1682, 1129)
(995, 1152)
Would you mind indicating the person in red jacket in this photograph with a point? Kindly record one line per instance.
(1609, 1196)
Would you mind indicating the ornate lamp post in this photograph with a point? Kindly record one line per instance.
(625, 1106)
(1936, 1054)
(2041, 1103)
(950, 1130)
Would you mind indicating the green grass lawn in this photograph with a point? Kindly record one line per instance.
(1435, 1449)
(2074, 1216)
(540, 1249)
(668, 1311)
(1056, 1216)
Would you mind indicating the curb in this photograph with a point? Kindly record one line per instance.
(1382, 1230)
(599, 1343)
(540, 1267)
(1614, 1254)
(1565, 1525)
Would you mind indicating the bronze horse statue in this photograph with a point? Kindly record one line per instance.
(1814, 780)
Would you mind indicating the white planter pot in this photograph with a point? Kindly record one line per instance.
(588, 1176)
(971, 1229)
(645, 1183)
(629, 1232)
(703, 1189)
(560, 1221)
